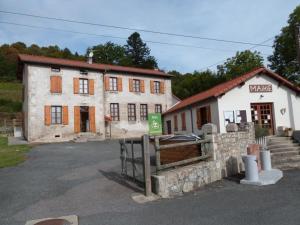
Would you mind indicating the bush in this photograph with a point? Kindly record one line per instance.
(261, 132)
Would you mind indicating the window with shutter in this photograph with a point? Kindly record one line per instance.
(76, 85)
(175, 123)
(91, 86)
(65, 115)
(120, 85)
(142, 86)
(183, 122)
(92, 119)
(55, 84)
(203, 116)
(47, 115)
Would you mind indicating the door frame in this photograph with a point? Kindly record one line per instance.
(272, 114)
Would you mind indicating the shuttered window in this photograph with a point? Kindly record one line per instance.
(113, 83)
(83, 86)
(55, 84)
(156, 87)
(56, 115)
(136, 85)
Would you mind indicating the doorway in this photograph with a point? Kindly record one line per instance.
(84, 119)
(262, 116)
(169, 127)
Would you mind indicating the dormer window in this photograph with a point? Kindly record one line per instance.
(55, 69)
(83, 72)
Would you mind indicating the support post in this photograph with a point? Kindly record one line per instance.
(146, 164)
(157, 154)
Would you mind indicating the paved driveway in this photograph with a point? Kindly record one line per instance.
(83, 179)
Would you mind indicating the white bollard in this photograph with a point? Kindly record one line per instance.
(251, 169)
(266, 160)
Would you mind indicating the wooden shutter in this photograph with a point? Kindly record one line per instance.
(76, 119)
(120, 86)
(162, 87)
(142, 82)
(183, 123)
(76, 85)
(131, 85)
(106, 83)
(91, 86)
(208, 114)
(92, 119)
(55, 84)
(175, 123)
(65, 115)
(152, 86)
(47, 115)
(198, 112)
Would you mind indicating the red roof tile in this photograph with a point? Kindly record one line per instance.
(84, 65)
(227, 86)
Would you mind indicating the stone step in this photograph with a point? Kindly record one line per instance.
(279, 138)
(282, 145)
(280, 142)
(284, 154)
(279, 160)
(288, 166)
(286, 149)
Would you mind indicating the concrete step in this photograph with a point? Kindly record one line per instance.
(288, 166)
(279, 138)
(284, 154)
(280, 160)
(280, 142)
(286, 149)
(282, 145)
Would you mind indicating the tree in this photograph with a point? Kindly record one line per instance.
(138, 53)
(241, 63)
(108, 53)
(284, 58)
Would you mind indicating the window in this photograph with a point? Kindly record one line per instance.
(113, 84)
(158, 108)
(183, 123)
(83, 86)
(114, 111)
(136, 85)
(131, 112)
(175, 123)
(84, 72)
(156, 87)
(55, 69)
(203, 116)
(144, 111)
(56, 114)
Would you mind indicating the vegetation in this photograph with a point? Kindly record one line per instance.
(11, 155)
(284, 58)
(10, 97)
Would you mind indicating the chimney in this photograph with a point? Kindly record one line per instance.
(90, 57)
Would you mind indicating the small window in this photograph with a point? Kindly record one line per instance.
(83, 86)
(136, 85)
(56, 114)
(158, 108)
(131, 112)
(55, 69)
(144, 111)
(156, 87)
(83, 72)
(114, 111)
(113, 84)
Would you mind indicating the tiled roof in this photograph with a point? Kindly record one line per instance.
(227, 86)
(84, 65)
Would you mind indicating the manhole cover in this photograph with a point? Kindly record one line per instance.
(63, 220)
(53, 222)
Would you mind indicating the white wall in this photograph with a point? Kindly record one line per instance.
(240, 98)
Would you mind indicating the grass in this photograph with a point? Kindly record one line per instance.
(11, 155)
(10, 97)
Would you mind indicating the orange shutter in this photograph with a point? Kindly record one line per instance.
(106, 83)
(142, 86)
(76, 85)
(131, 85)
(76, 119)
(65, 115)
(91, 86)
(120, 87)
(55, 84)
(92, 119)
(208, 114)
(152, 86)
(162, 87)
(183, 123)
(47, 115)
(199, 118)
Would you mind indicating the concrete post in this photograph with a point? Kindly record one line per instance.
(146, 166)
(251, 169)
(266, 160)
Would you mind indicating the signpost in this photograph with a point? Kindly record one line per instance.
(154, 122)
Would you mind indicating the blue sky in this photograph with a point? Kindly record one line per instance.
(249, 21)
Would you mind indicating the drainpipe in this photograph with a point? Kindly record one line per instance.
(192, 119)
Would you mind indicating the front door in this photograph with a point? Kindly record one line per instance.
(262, 116)
(84, 119)
(169, 128)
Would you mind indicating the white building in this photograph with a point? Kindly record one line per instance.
(65, 98)
(260, 96)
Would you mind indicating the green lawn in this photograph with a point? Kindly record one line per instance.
(10, 97)
(11, 155)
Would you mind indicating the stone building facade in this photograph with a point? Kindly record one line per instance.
(64, 99)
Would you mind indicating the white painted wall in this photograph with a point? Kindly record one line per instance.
(240, 98)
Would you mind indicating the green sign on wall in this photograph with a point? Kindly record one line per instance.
(154, 122)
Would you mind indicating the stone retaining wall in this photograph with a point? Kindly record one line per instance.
(226, 160)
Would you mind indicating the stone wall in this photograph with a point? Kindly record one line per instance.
(226, 160)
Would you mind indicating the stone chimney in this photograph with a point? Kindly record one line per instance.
(90, 57)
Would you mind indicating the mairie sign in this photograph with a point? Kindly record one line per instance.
(154, 122)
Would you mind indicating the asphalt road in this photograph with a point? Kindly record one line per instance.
(84, 179)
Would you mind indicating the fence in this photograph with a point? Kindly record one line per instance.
(7, 126)
(262, 141)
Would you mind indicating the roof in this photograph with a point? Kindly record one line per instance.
(33, 59)
(227, 86)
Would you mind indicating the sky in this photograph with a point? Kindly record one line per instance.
(252, 21)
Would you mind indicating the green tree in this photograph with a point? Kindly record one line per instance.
(241, 63)
(284, 58)
(138, 53)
